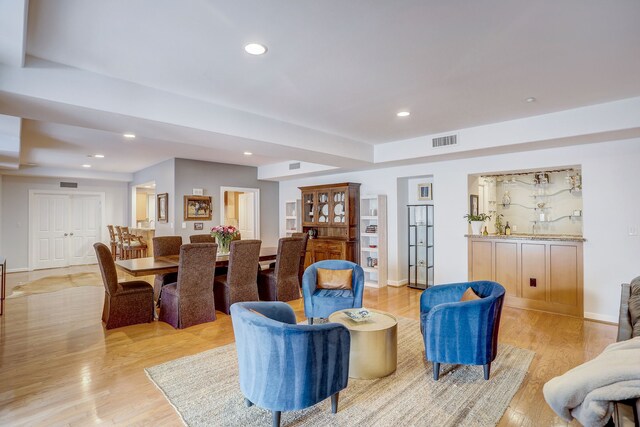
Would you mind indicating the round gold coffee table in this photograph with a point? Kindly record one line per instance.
(374, 344)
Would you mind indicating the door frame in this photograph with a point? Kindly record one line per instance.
(34, 193)
(256, 205)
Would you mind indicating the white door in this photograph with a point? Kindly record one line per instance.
(50, 225)
(85, 226)
(246, 215)
(64, 229)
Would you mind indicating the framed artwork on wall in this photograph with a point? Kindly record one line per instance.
(425, 191)
(162, 207)
(473, 204)
(197, 208)
(198, 226)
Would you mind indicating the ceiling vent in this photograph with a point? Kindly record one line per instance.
(68, 184)
(294, 166)
(444, 141)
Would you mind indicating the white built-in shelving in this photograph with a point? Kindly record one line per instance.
(292, 217)
(373, 246)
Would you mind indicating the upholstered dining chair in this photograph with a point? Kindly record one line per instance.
(125, 303)
(461, 332)
(165, 246)
(189, 301)
(303, 253)
(284, 366)
(202, 238)
(281, 283)
(240, 282)
(322, 299)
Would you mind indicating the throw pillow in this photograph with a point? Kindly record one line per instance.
(334, 279)
(469, 295)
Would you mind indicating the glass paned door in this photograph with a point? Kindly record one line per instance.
(323, 207)
(308, 206)
(338, 207)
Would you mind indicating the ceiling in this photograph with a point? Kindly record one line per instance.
(336, 71)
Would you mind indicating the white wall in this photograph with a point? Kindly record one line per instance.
(163, 174)
(15, 211)
(611, 200)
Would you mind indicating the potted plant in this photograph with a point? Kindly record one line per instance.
(476, 222)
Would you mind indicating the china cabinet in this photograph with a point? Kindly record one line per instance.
(331, 216)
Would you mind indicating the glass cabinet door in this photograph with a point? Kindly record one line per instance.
(323, 207)
(338, 212)
(308, 208)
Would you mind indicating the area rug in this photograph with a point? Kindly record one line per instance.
(56, 283)
(204, 389)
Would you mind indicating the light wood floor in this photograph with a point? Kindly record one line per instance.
(59, 366)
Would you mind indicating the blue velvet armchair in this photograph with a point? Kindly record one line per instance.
(323, 302)
(461, 332)
(284, 366)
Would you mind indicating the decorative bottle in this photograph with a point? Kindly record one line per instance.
(485, 232)
(507, 229)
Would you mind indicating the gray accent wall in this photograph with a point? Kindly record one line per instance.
(190, 174)
(14, 222)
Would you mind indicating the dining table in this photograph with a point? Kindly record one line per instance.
(149, 266)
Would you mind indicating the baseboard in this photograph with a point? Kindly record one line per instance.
(601, 317)
(16, 270)
(397, 283)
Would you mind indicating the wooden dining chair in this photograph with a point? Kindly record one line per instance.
(113, 242)
(131, 246)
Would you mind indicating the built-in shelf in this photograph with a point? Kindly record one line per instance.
(374, 210)
(292, 209)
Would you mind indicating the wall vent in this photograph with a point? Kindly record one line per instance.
(293, 166)
(68, 184)
(444, 141)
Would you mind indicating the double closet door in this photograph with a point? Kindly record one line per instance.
(64, 228)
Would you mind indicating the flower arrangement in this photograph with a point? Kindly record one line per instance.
(224, 234)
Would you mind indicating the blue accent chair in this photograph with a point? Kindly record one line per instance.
(323, 302)
(461, 332)
(284, 366)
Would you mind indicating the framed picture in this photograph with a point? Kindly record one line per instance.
(425, 191)
(473, 204)
(198, 226)
(197, 208)
(162, 207)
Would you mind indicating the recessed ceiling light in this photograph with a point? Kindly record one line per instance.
(248, 153)
(86, 166)
(403, 114)
(255, 49)
(99, 156)
(530, 99)
(129, 135)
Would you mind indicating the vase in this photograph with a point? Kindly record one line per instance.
(223, 248)
(476, 227)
